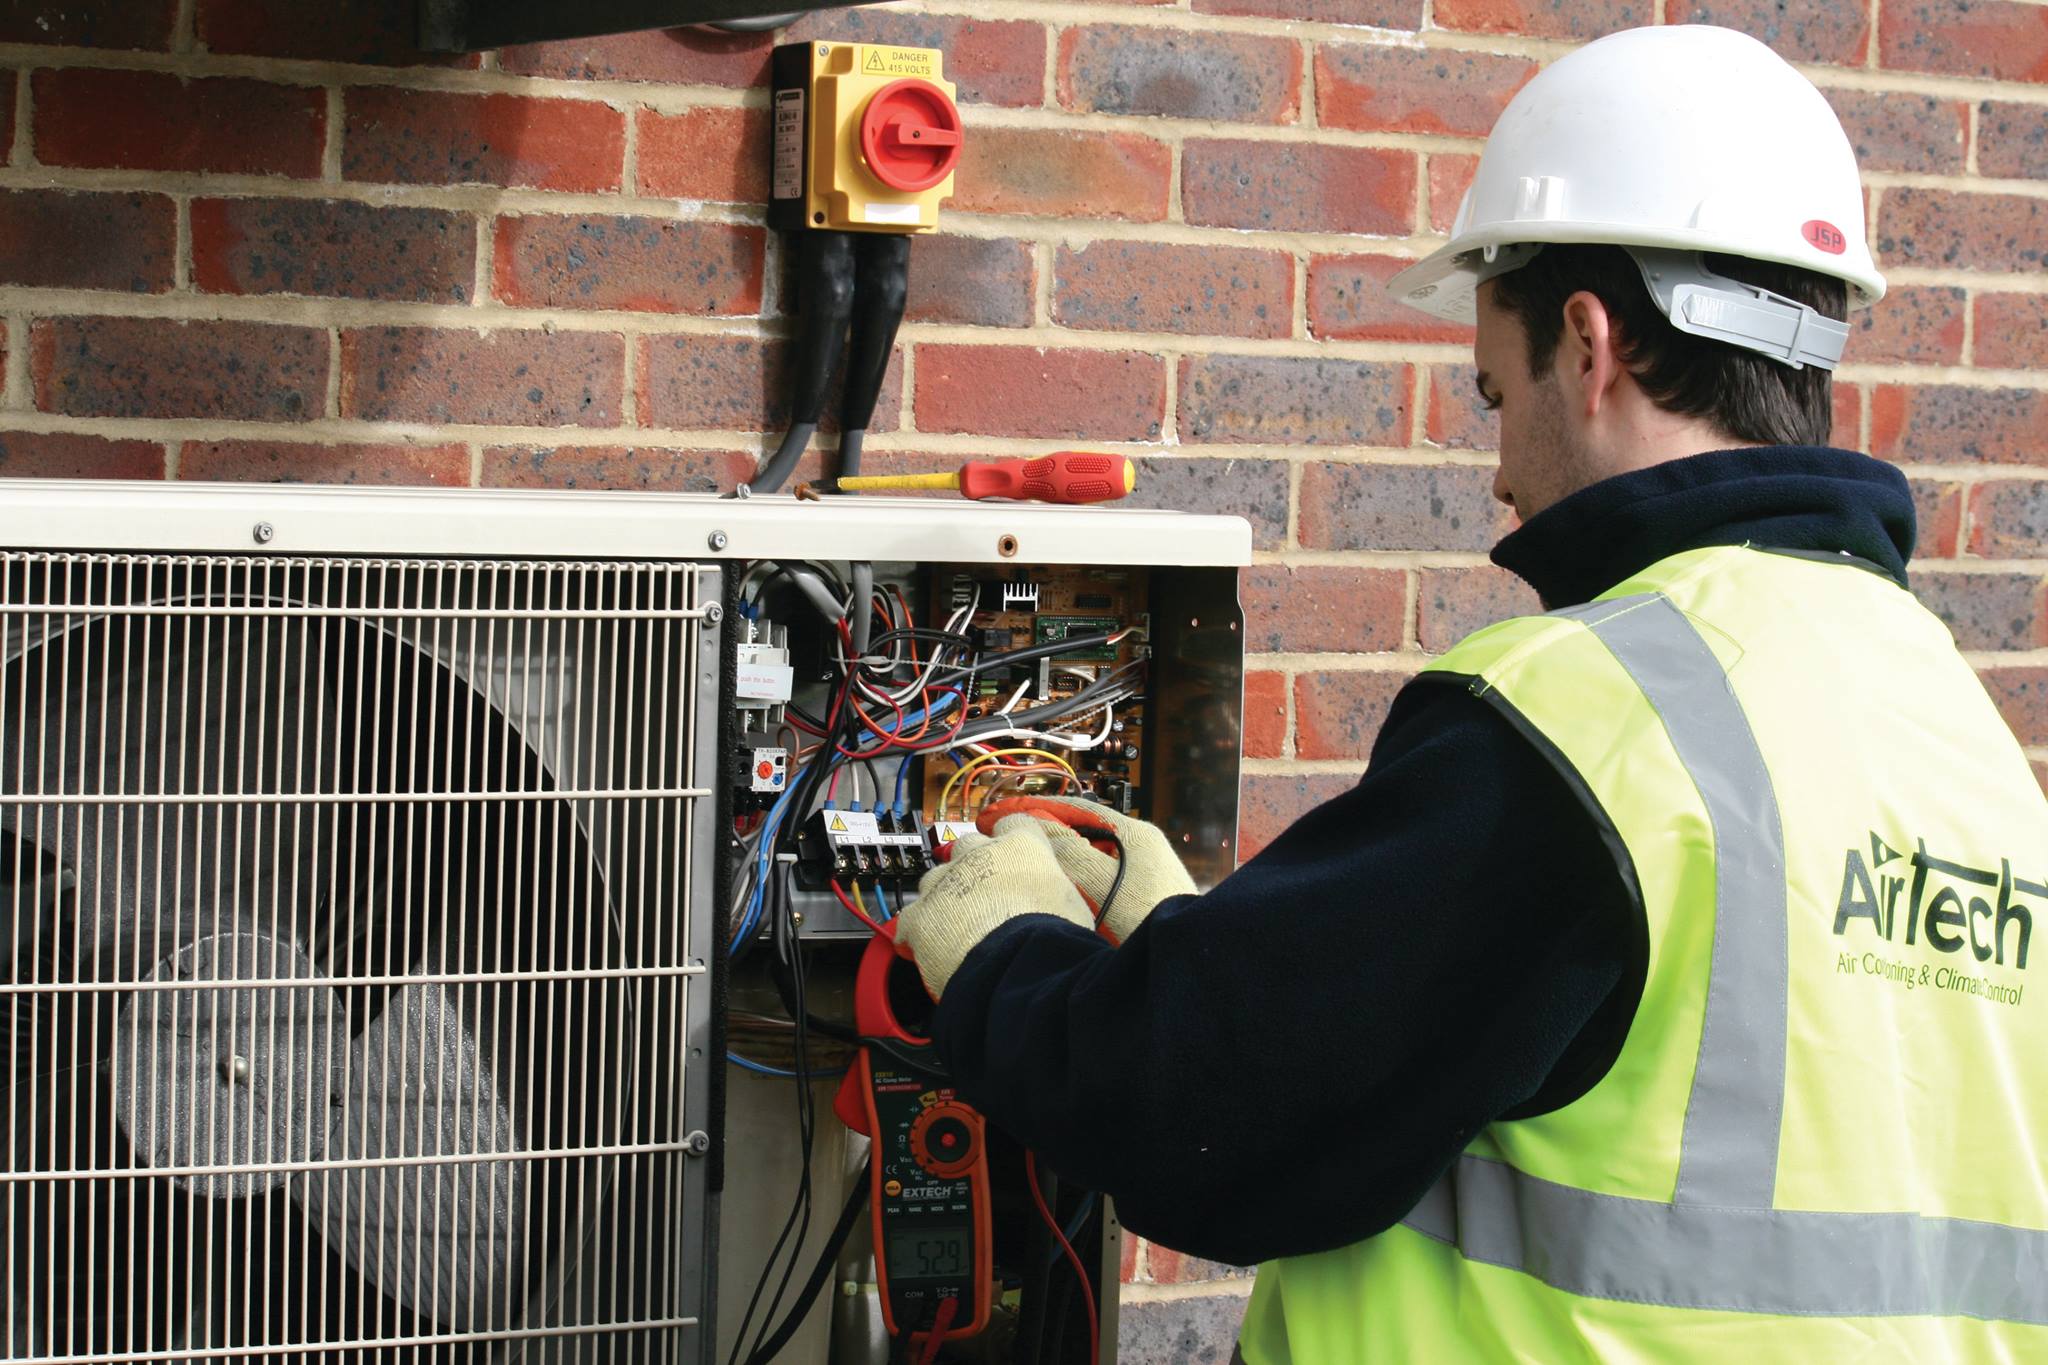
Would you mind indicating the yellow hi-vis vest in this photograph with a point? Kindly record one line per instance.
(1826, 1135)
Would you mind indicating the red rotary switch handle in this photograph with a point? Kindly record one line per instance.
(946, 1139)
(910, 135)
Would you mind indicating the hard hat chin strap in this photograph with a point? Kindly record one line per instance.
(1699, 301)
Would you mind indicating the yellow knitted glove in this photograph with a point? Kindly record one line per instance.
(983, 885)
(1152, 870)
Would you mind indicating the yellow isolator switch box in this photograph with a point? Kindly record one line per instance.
(866, 137)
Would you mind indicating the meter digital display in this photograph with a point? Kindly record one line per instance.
(931, 1253)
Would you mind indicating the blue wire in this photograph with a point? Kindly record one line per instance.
(882, 903)
(762, 1069)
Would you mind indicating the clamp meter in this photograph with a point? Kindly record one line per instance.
(929, 1172)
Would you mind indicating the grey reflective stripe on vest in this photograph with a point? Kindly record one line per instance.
(1719, 1244)
(1786, 1261)
(1729, 1157)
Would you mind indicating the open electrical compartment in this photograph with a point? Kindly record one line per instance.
(378, 872)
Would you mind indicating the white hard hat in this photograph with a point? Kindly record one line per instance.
(1671, 141)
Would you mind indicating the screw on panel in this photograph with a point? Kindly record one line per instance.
(264, 533)
(697, 1143)
(717, 540)
(1007, 547)
(713, 613)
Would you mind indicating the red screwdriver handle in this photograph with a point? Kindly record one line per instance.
(1068, 476)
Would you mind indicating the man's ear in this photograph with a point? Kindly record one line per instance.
(1589, 361)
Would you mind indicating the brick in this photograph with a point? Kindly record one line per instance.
(1912, 324)
(59, 239)
(1298, 187)
(1986, 610)
(286, 462)
(332, 248)
(729, 383)
(1167, 1266)
(1966, 231)
(1155, 287)
(674, 56)
(1127, 1258)
(1836, 31)
(151, 367)
(714, 153)
(372, 32)
(2009, 518)
(977, 281)
(1180, 73)
(506, 377)
(1265, 714)
(1400, 507)
(1949, 424)
(1845, 423)
(666, 471)
(1397, 14)
(9, 82)
(1456, 418)
(1414, 90)
(1575, 19)
(1993, 38)
(131, 25)
(1266, 806)
(1028, 391)
(1452, 603)
(60, 455)
(1253, 489)
(431, 137)
(1288, 401)
(1323, 609)
(1348, 301)
(2021, 695)
(1450, 176)
(1898, 131)
(2012, 331)
(1337, 715)
(1938, 516)
(685, 56)
(2012, 140)
(646, 265)
(1183, 1331)
(1040, 172)
(992, 61)
(154, 121)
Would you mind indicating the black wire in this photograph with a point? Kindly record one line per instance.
(828, 1258)
(1116, 882)
(1022, 656)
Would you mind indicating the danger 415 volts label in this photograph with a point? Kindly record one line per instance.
(899, 61)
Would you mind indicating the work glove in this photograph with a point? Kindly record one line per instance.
(1152, 870)
(984, 884)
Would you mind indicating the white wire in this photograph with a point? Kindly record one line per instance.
(1054, 737)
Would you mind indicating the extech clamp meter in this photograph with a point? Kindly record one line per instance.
(934, 1257)
(866, 137)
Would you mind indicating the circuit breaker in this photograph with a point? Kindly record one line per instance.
(866, 137)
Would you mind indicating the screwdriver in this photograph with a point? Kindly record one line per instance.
(1066, 476)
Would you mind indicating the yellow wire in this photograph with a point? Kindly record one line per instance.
(1040, 755)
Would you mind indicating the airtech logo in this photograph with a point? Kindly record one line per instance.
(1916, 914)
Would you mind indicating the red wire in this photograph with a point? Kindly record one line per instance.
(855, 910)
(1087, 1290)
(948, 1307)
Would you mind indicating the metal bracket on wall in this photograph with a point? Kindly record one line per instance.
(473, 25)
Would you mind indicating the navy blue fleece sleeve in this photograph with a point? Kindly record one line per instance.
(1284, 1064)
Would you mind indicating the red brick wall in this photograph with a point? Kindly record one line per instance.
(263, 239)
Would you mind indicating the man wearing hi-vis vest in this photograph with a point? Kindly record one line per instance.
(1666, 990)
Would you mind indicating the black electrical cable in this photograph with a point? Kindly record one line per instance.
(825, 283)
(1025, 655)
(881, 287)
(828, 1258)
(1116, 882)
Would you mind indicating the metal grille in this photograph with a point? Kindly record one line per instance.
(353, 931)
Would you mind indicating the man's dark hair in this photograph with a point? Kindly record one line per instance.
(1748, 395)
